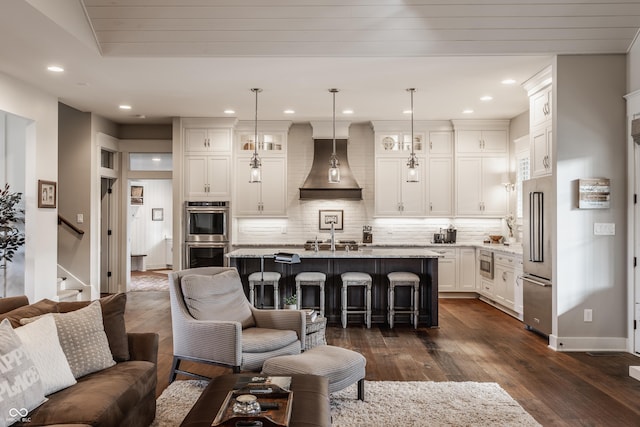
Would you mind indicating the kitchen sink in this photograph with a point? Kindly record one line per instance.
(341, 245)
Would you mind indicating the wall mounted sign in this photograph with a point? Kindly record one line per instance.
(157, 214)
(594, 193)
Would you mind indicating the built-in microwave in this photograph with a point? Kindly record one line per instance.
(206, 222)
(485, 263)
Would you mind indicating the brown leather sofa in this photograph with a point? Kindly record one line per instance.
(122, 395)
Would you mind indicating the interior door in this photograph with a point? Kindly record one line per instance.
(636, 245)
(106, 235)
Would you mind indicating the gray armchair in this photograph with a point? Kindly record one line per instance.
(213, 322)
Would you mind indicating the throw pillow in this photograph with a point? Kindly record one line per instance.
(113, 307)
(217, 297)
(83, 340)
(36, 309)
(40, 340)
(20, 386)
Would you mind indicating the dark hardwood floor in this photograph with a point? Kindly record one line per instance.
(474, 342)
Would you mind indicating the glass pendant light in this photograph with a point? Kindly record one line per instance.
(255, 163)
(334, 164)
(413, 174)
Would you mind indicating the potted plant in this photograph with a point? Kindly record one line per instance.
(11, 238)
(291, 302)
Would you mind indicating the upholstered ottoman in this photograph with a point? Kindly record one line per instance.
(341, 366)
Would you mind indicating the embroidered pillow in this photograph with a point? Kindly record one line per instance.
(40, 340)
(83, 339)
(21, 389)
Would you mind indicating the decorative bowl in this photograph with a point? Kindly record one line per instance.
(495, 238)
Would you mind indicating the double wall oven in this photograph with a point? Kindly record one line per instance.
(206, 234)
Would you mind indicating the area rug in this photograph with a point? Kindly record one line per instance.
(156, 280)
(387, 403)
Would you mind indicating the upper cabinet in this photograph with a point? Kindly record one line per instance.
(207, 145)
(482, 165)
(269, 197)
(481, 137)
(207, 140)
(433, 146)
(540, 91)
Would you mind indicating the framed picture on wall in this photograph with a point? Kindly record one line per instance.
(331, 217)
(47, 194)
(157, 214)
(137, 194)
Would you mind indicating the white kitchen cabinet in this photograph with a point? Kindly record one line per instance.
(503, 281)
(540, 150)
(482, 142)
(399, 143)
(441, 143)
(269, 143)
(486, 288)
(540, 91)
(540, 107)
(479, 189)
(394, 196)
(266, 198)
(518, 286)
(447, 269)
(207, 177)
(441, 186)
(207, 140)
(467, 269)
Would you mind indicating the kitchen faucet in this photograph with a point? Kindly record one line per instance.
(333, 238)
(315, 244)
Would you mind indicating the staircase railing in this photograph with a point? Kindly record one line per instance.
(62, 220)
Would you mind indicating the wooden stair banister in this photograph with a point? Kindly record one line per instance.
(68, 223)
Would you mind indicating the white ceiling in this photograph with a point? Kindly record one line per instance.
(196, 58)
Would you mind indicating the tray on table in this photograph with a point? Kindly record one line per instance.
(270, 418)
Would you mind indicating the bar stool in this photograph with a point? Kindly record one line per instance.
(350, 279)
(311, 278)
(403, 278)
(271, 278)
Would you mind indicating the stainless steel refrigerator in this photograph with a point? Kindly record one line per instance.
(537, 255)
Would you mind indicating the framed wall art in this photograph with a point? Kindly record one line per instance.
(331, 217)
(47, 194)
(157, 214)
(137, 194)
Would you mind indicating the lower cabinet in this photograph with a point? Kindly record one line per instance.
(456, 270)
(505, 289)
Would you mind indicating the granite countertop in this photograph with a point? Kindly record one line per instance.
(366, 252)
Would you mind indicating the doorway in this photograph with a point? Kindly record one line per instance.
(150, 236)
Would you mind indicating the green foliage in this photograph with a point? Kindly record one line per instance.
(11, 239)
(291, 300)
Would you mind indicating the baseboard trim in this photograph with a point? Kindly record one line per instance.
(588, 343)
(634, 372)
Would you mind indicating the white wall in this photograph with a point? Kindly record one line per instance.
(41, 154)
(302, 221)
(590, 141)
(147, 236)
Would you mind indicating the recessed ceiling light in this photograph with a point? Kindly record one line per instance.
(508, 81)
(486, 98)
(156, 159)
(289, 111)
(229, 111)
(406, 112)
(467, 111)
(125, 107)
(347, 111)
(55, 68)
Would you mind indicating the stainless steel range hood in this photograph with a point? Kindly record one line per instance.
(317, 185)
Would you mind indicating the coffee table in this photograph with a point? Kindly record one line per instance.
(310, 401)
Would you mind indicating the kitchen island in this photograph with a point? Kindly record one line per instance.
(377, 262)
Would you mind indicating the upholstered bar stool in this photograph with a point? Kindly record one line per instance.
(350, 279)
(311, 278)
(271, 278)
(403, 278)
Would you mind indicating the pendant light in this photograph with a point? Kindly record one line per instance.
(255, 163)
(334, 164)
(413, 174)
